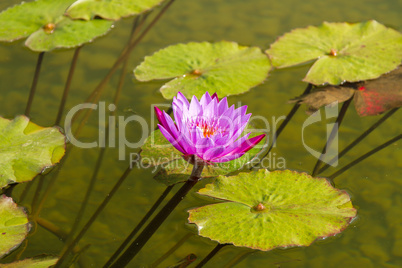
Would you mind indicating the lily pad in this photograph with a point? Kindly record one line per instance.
(341, 51)
(265, 210)
(371, 97)
(26, 149)
(14, 225)
(46, 27)
(109, 9)
(223, 67)
(157, 151)
(42, 261)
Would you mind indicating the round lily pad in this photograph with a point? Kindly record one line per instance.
(14, 225)
(46, 27)
(41, 261)
(26, 149)
(341, 51)
(109, 9)
(265, 210)
(223, 67)
(157, 151)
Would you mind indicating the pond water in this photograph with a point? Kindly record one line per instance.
(372, 240)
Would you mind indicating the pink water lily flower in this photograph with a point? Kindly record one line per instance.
(207, 129)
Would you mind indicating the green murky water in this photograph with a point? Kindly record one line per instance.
(372, 240)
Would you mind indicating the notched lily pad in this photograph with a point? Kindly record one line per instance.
(42, 261)
(223, 67)
(157, 151)
(265, 210)
(26, 149)
(46, 27)
(14, 225)
(109, 9)
(371, 97)
(342, 51)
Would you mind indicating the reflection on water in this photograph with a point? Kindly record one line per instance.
(373, 240)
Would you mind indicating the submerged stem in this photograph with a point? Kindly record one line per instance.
(332, 135)
(34, 83)
(289, 116)
(361, 158)
(157, 221)
(138, 227)
(358, 140)
(67, 86)
(93, 218)
(211, 255)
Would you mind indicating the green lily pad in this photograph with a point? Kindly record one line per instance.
(266, 210)
(46, 27)
(27, 149)
(42, 261)
(223, 67)
(109, 9)
(341, 51)
(14, 225)
(157, 151)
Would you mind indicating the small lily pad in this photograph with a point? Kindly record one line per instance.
(342, 51)
(265, 210)
(109, 9)
(14, 225)
(157, 151)
(41, 261)
(46, 27)
(26, 149)
(223, 67)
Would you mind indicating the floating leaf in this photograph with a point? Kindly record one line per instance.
(109, 9)
(266, 210)
(371, 97)
(223, 67)
(42, 261)
(46, 27)
(14, 225)
(157, 151)
(324, 96)
(27, 149)
(343, 51)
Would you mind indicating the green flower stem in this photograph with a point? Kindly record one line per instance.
(283, 125)
(139, 226)
(171, 250)
(157, 221)
(332, 135)
(34, 83)
(361, 158)
(67, 86)
(358, 139)
(93, 218)
(211, 255)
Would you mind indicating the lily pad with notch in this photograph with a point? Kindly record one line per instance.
(46, 27)
(14, 225)
(109, 9)
(341, 52)
(222, 67)
(266, 210)
(27, 149)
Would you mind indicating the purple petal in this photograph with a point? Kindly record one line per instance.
(213, 153)
(248, 144)
(195, 108)
(227, 158)
(215, 96)
(222, 106)
(171, 139)
(203, 145)
(205, 99)
(183, 99)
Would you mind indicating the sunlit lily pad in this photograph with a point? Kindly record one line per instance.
(46, 27)
(157, 151)
(265, 210)
(341, 51)
(42, 261)
(27, 149)
(109, 9)
(223, 67)
(14, 225)
(370, 97)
